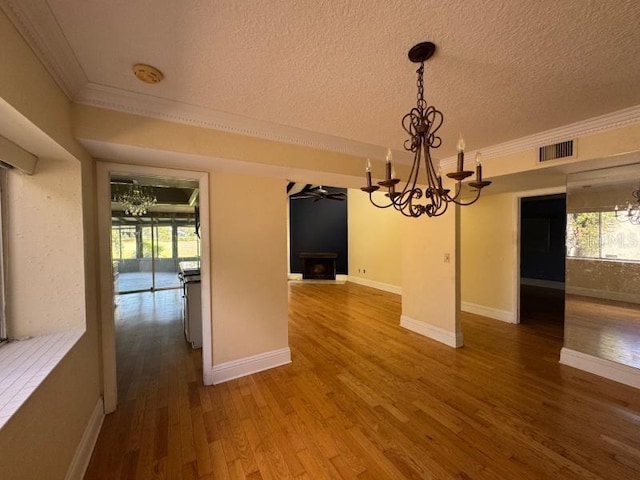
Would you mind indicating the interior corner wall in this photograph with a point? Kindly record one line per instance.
(375, 245)
(40, 439)
(248, 266)
(488, 241)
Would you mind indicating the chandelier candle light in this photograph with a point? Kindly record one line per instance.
(136, 201)
(422, 124)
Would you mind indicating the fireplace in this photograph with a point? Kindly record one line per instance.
(319, 265)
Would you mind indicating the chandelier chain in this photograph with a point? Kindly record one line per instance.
(422, 104)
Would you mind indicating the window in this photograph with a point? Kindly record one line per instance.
(188, 242)
(601, 235)
(123, 242)
(164, 241)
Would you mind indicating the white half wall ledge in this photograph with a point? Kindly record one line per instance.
(450, 339)
(386, 287)
(81, 458)
(599, 366)
(496, 314)
(242, 367)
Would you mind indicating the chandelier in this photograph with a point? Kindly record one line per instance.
(422, 124)
(137, 200)
(632, 212)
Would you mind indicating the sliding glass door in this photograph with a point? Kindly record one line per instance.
(146, 256)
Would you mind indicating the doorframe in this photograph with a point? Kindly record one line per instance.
(517, 197)
(104, 170)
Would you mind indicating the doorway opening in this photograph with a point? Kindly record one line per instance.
(151, 246)
(148, 255)
(542, 261)
(317, 232)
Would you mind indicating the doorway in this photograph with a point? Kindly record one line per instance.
(154, 231)
(542, 261)
(152, 243)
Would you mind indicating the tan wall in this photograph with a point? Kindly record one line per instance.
(600, 145)
(248, 265)
(39, 441)
(46, 271)
(121, 128)
(487, 252)
(375, 240)
(428, 283)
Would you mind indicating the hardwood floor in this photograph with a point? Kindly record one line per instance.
(364, 399)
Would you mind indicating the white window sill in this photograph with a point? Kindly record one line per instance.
(25, 364)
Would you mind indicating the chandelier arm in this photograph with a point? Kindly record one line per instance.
(415, 210)
(441, 211)
(464, 204)
(407, 207)
(415, 170)
(377, 205)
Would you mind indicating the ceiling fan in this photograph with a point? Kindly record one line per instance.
(317, 193)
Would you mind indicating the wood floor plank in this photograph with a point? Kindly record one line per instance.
(364, 399)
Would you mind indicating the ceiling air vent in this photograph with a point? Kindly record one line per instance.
(556, 151)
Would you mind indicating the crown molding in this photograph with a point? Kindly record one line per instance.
(164, 109)
(609, 121)
(39, 28)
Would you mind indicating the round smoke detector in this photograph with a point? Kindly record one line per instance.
(147, 73)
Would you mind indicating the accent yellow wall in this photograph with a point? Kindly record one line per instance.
(488, 230)
(375, 242)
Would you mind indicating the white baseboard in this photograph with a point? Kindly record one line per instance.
(373, 284)
(599, 366)
(207, 377)
(503, 315)
(81, 458)
(248, 365)
(294, 276)
(451, 339)
(536, 282)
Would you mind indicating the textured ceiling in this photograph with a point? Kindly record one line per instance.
(502, 70)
